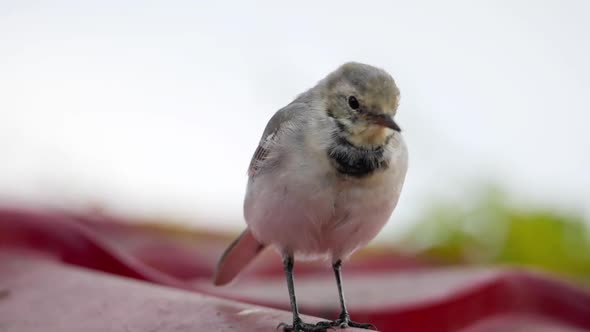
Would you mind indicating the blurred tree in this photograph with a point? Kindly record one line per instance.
(493, 230)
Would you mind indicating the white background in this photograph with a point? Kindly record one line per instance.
(153, 109)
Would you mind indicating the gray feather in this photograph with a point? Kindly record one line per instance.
(266, 156)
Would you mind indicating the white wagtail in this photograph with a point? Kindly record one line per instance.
(325, 178)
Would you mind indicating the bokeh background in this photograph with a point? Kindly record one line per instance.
(152, 110)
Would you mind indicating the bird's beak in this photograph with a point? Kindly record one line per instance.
(385, 121)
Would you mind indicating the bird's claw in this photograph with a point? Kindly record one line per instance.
(303, 327)
(344, 323)
(366, 326)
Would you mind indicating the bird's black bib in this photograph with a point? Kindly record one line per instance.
(354, 161)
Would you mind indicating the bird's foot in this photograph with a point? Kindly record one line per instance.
(344, 322)
(299, 326)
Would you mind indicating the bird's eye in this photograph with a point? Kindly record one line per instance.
(353, 103)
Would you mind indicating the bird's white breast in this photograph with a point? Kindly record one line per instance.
(305, 207)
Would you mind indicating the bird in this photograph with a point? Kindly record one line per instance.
(324, 180)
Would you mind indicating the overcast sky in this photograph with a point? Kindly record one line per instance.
(155, 108)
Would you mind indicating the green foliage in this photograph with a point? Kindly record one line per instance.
(493, 231)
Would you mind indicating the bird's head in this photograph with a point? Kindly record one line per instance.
(362, 100)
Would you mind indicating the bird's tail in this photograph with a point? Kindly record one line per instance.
(239, 254)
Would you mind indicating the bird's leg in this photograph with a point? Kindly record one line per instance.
(298, 324)
(343, 320)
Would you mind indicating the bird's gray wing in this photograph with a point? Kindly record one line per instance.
(266, 156)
